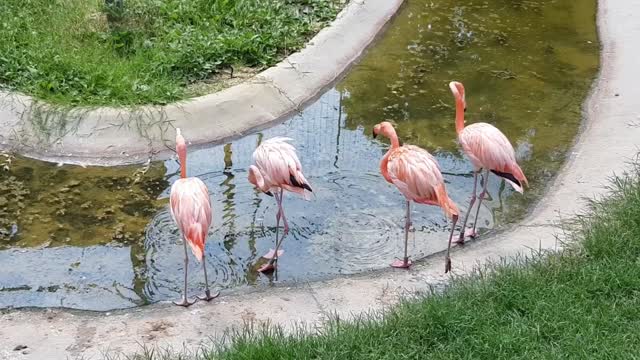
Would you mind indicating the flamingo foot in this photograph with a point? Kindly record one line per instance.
(447, 265)
(267, 268)
(184, 302)
(401, 264)
(471, 233)
(207, 295)
(272, 254)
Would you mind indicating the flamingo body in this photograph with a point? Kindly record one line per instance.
(488, 148)
(191, 210)
(415, 172)
(276, 169)
(277, 166)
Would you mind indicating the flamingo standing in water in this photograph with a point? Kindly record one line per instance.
(487, 148)
(277, 168)
(417, 175)
(191, 210)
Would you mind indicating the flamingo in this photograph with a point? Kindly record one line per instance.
(416, 174)
(487, 148)
(191, 210)
(277, 168)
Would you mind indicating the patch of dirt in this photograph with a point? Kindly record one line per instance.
(157, 329)
(223, 80)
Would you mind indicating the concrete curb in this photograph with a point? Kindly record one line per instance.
(110, 136)
(609, 139)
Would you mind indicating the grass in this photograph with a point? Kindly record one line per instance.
(85, 52)
(578, 304)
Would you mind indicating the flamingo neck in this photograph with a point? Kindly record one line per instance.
(183, 164)
(459, 115)
(395, 143)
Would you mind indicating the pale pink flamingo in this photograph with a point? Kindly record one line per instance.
(277, 168)
(487, 148)
(416, 174)
(191, 210)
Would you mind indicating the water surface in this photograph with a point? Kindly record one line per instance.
(102, 238)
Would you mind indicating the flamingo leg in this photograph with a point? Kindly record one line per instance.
(284, 219)
(271, 254)
(405, 262)
(207, 293)
(286, 225)
(463, 232)
(271, 264)
(184, 301)
(447, 264)
(482, 195)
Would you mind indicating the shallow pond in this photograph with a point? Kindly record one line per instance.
(102, 238)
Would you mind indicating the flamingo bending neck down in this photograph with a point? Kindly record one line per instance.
(191, 210)
(487, 148)
(416, 174)
(277, 168)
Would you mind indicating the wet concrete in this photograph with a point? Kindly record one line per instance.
(608, 141)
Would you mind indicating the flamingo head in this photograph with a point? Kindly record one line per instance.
(255, 177)
(458, 92)
(385, 128)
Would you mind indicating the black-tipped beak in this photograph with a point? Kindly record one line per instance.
(269, 193)
(465, 109)
(374, 134)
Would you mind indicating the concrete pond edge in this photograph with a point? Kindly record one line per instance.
(113, 136)
(608, 141)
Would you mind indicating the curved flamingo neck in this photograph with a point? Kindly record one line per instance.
(395, 144)
(393, 136)
(459, 114)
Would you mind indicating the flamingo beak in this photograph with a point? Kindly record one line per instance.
(269, 193)
(374, 134)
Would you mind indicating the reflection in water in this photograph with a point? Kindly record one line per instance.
(78, 231)
(102, 238)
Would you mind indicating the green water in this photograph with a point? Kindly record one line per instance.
(527, 66)
(101, 238)
(69, 205)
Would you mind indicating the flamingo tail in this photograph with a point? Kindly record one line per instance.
(513, 176)
(297, 190)
(195, 239)
(300, 182)
(448, 206)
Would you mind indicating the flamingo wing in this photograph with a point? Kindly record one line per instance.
(417, 175)
(280, 166)
(191, 210)
(489, 148)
